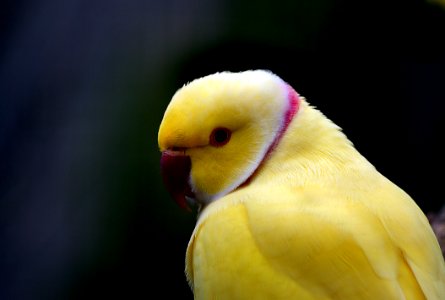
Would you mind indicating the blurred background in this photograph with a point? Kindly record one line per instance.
(83, 88)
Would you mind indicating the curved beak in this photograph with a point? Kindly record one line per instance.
(175, 171)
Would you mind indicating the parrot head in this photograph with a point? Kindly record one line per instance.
(218, 129)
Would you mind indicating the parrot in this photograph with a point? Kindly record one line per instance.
(287, 208)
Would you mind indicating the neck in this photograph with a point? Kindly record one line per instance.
(312, 150)
(292, 109)
(293, 105)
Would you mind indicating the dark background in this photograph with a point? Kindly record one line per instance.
(83, 87)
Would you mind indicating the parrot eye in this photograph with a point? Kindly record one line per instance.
(220, 136)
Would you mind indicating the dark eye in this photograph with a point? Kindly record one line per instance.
(220, 136)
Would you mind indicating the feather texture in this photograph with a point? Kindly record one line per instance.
(315, 221)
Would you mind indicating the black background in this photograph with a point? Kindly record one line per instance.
(83, 87)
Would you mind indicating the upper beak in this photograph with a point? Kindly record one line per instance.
(175, 171)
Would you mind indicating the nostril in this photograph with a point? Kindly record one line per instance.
(173, 151)
(178, 149)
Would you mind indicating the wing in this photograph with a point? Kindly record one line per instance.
(411, 232)
(275, 243)
(224, 260)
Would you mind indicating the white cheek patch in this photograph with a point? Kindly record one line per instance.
(282, 120)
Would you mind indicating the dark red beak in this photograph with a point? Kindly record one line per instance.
(175, 170)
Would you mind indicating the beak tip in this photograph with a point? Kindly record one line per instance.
(181, 201)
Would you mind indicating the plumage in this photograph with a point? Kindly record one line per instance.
(289, 209)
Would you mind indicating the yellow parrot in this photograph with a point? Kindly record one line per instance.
(288, 208)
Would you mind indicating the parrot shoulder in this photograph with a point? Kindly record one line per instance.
(288, 235)
(223, 259)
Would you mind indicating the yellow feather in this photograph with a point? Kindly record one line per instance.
(316, 221)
